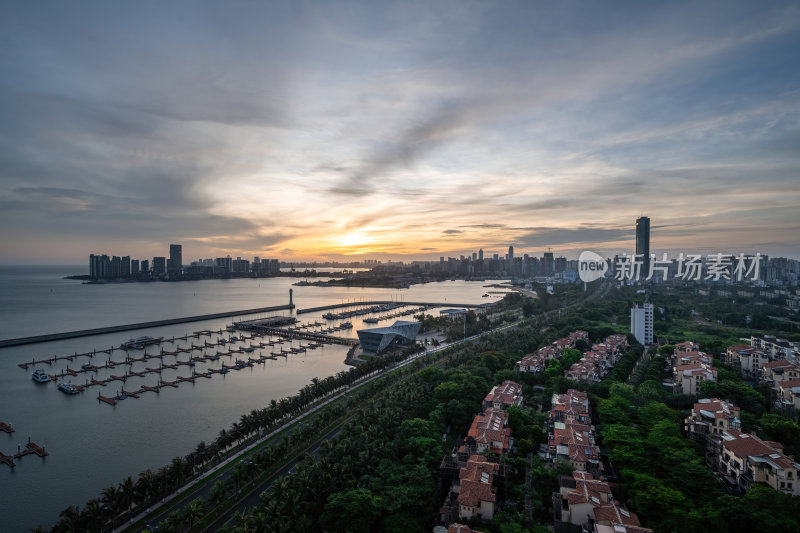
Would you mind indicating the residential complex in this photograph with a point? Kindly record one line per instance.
(473, 477)
(585, 501)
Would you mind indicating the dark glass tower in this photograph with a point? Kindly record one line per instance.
(643, 243)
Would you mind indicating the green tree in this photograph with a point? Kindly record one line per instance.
(353, 511)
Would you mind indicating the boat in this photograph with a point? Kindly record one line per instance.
(67, 388)
(371, 320)
(346, 325)
(141, 342)
(87, 365)
(40, 376)
(224, 370)
(329, 316)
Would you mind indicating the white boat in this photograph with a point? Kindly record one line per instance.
(87, 365)
(140, 342)
(40, 376)
(67, 388)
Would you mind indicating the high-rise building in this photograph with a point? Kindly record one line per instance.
(176, 257)
(643, 243)
(480, 254)
(548, 264)
(159, 265)
(642, 323)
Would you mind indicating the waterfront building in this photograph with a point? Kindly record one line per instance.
(159, 265)
(377, 340)
(176, 258)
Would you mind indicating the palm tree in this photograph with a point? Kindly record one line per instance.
(70, 520)
(127, 494)
(92, 516)
(111, 502)
(194, 510)
(218, 493)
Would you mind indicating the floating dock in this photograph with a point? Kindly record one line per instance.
(6, 427)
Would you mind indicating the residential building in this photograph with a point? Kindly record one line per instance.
(789, 394)
(642, 323)
(570, 407)
(712, 417)
(777, 348)
(504, 396)
(489, 432)
(747, 358)
(159, 265)
(477, 495)
(746, 459)
(588, 503)
(176, 259)
(688, 377)
(574, 443)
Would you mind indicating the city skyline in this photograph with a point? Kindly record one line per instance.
(398, 131)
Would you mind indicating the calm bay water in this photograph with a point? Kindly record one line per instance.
(93, 445)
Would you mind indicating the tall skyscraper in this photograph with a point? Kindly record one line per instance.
(176, 257)
(480, 254)
(643, 243)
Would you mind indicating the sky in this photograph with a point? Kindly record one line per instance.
(397, 130)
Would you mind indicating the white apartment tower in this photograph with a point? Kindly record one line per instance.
(642, 323)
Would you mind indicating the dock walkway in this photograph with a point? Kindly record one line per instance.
(141, 325)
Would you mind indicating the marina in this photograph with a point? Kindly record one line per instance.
(85, 434)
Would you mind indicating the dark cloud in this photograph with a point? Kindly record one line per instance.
(452, 232)
(544, 237)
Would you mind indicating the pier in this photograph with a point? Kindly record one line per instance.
(258, 327)
(141, 325)
(388, 302)
(30, 448)
(6, 427)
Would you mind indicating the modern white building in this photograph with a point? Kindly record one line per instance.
(642, 323)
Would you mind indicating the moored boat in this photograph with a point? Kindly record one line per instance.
(67, 388)
(40, 376)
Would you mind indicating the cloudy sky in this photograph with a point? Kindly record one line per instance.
(397, 130)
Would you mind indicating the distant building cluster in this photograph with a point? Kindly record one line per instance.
(597, 362)
(114, 267)
(537, 363)
(509, 265)
(593, 365)
(103, 267)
